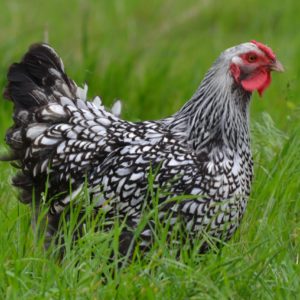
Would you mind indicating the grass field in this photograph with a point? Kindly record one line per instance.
(153, 55)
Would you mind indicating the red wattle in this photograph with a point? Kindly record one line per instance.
(258, 81)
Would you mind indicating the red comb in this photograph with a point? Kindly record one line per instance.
(268, 51)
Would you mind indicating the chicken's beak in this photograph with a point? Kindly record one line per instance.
(277, 66)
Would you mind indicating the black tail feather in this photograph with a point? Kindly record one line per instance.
(36, 81)
(33, 80)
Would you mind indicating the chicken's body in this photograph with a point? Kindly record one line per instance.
(203, 150)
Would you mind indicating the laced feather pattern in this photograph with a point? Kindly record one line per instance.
(62, 140)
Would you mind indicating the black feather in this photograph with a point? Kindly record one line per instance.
(32, 83)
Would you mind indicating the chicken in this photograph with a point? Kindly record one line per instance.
(202, 153)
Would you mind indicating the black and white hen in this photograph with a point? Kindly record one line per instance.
(203, 150)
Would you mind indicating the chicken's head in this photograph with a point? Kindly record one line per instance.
(251, 66)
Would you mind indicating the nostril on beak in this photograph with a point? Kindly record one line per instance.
(277, 66)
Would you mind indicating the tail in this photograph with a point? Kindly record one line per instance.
(39, 79)
(58, 139)
(54, 127)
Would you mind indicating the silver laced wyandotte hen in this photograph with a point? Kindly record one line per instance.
(200, 155)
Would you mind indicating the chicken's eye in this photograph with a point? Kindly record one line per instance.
(252, 58)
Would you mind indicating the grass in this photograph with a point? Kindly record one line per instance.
(153, 55)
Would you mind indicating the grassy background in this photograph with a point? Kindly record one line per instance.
(153, 55)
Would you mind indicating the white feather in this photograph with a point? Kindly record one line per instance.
(48, 141)
(66, 101)
(81, 93)
(103, 121)
(116, 108)
(35, 130)
(136, 176)
(97, 102)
